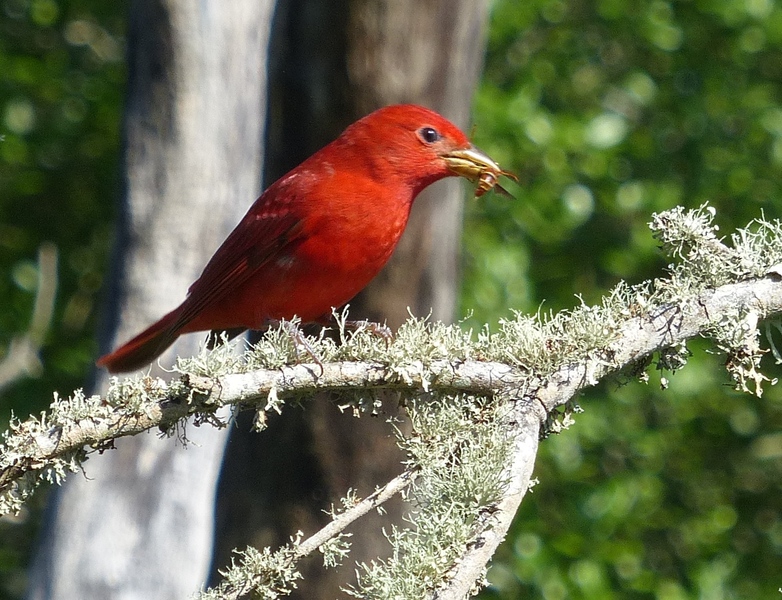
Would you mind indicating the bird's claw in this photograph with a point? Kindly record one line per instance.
(300, 342)
(380, 330)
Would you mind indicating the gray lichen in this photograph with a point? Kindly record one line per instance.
(460, 388)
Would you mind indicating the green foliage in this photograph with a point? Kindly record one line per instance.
(61, 85)
(610, 111)
(60, 100)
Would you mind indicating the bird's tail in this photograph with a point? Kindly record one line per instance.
(145, 347)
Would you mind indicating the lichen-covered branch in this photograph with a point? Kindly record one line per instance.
(278, 570)
(477, 403)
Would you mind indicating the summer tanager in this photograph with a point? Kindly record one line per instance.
(318, 235)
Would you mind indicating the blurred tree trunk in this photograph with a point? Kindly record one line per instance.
(333, 62)
(139, 524)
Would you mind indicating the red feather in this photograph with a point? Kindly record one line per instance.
(316, 236)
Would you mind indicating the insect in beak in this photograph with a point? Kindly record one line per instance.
(475, 166)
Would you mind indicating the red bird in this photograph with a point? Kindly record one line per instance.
(318, 235)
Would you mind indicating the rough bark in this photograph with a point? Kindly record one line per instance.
(140, 524)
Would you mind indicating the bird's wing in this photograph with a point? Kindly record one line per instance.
(261, 235)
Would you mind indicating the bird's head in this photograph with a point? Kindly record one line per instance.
(420, 147)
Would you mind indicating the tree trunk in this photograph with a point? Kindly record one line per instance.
(333, 62)
(140, 523)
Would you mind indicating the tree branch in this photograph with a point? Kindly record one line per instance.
(237, 584)
(477, 407)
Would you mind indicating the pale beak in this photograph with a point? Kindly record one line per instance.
(475, 166)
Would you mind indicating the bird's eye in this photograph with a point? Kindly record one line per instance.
(429, 135)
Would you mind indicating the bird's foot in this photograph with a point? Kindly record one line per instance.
(300, 342)
(380, 330)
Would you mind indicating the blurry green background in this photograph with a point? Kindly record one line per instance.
(608, 111)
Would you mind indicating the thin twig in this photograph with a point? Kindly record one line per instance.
(21, 358)
(341, 521)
